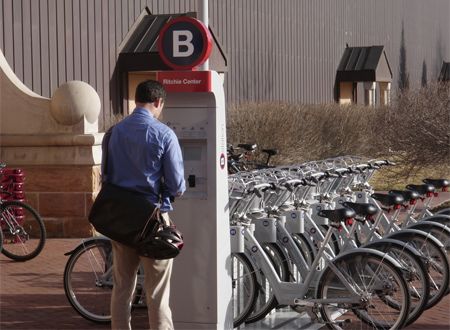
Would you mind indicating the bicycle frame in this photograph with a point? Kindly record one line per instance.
(290, 293)
(424, 214)
(10, 220)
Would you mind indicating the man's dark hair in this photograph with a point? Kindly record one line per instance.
(149, 91)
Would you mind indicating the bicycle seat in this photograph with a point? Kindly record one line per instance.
(438, 183)
(408, 195)
(362, 208)
(388, 199)
(270, 152)
(421, 188)
(248, 147)
(338, 214)
(237, 156)
(2, 165)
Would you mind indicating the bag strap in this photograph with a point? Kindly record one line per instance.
(160, 200)
(107, 137)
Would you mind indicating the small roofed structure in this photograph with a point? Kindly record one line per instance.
(139, 49)
(364, 76)
(139, 56)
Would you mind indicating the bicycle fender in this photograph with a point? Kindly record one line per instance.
(83, 241)
(416, 231)
(443, 212)
(370, 245)
(424, 224)
(368, 250)
(435, 216)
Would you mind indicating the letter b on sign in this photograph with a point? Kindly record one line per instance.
(182, 39)
(184, 43)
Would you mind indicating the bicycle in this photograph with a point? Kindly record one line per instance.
(425, 193)
(437, 184)
(417, 274)
(88, 280)
(343, 287)
(436, 224)
(284, 291)
(236, 164)
(363, 170)
(24, 232)
(417, 234)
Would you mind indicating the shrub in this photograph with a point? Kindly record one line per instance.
(414, 132)
(301, 132)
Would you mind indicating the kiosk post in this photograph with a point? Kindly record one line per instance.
(201, 289)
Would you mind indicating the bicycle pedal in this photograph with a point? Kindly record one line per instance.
(339, 323)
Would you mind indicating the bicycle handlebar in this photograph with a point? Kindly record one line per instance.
(256, 188)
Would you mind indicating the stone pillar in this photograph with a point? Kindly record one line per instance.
(57, 144)
(385, 93)
(369, 93)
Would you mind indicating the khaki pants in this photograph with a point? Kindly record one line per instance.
(157, 287)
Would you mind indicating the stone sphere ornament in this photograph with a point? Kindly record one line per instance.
(73, 100)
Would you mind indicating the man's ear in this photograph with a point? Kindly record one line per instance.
(158, 102)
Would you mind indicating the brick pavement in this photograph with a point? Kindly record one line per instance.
(32, 295)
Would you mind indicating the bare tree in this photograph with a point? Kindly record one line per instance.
(403, 74)
(424, 75)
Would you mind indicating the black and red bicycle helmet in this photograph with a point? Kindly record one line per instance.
(164, 244)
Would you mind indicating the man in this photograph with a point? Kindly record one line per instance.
(141, 151)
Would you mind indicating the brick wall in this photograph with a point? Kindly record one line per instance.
(63, 196)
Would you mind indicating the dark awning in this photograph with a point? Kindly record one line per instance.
(139, 49)
(364, 64)
(445, 72)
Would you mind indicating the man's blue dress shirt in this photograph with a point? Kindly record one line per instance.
(141, 151)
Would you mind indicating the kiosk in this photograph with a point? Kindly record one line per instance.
(201, 288)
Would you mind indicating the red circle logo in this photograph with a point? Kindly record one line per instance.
(222, 161)
(184, 43)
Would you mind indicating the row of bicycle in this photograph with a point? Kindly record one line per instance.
(317, 238)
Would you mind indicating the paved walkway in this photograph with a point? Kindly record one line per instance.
(32, 295)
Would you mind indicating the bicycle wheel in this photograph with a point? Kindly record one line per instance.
(438, 230)
(266, 300)
(23, 231)
(384, 302)
(305, 247)
(244, 287)
(88, 280)
(1, 239)
(434, 258)
(414, 272)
